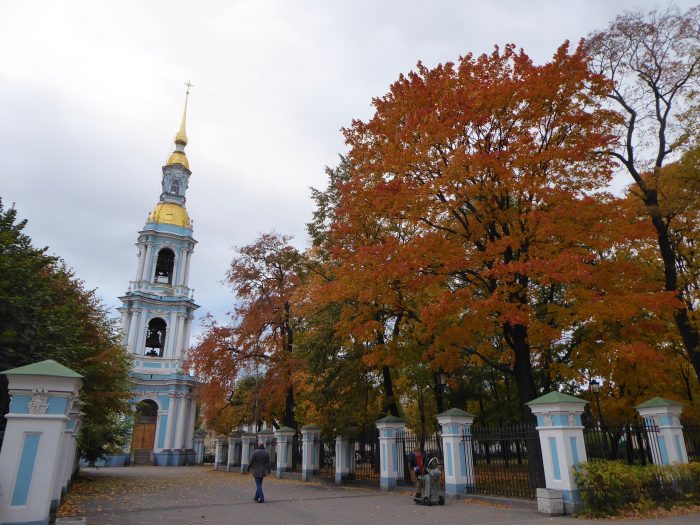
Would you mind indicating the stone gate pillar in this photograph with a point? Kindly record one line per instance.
(561, 441)
(342, 459)
(69, 467)
(390, 462)
(285, 437)
(247, 443)
(234, 451)
(665, 415)
(221, 454)
(311, 452)
(30, 460)
(198, 446)
(456, 447)
(68, 451)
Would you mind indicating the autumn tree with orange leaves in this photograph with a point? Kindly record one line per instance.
(260, 338)
(493, 166)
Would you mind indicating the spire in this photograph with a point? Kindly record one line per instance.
(178, 156)
(181, 137)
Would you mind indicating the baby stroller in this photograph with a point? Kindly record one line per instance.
(428, 491)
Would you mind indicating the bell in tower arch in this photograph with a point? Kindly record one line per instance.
(155, 337)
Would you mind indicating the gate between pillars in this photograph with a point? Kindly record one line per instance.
(430, 447)
(327, 467)
(635, 442)
(366, 459)
(507, 460)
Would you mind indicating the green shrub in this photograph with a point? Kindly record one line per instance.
(607, 487)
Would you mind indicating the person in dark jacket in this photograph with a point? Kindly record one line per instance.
(259, 465)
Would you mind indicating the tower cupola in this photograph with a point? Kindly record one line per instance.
(176, 174)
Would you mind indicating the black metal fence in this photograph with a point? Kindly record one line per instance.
(430, 447)
(507, 460)
(635, 442)
(691, 435)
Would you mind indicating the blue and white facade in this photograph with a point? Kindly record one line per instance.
(157, 313)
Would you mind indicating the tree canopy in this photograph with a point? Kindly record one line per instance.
(470, 230)
(46, 313)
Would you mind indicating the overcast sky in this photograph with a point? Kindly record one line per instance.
(91, 96)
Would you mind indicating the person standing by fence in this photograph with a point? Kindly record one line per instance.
(259, 465)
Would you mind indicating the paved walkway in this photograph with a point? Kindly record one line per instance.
(201, 495)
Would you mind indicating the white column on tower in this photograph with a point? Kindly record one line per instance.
(181, 422)
(180, 335)
(188, 326)
(187, 267)
(189, 437)
(150, 264)
(142, 259)
(135, 316)
(172, 414)
(180, 264)
(145, 267)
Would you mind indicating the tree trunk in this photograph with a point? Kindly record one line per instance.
(689, 334)
(516, 336)
(289, 401)
(391, 405)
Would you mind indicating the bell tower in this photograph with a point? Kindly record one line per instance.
(157, 313)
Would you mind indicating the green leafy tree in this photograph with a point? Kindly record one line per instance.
(46, 313)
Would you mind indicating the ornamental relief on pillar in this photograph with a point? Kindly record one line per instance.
(548, 420)
(572, 419)
(40, 402)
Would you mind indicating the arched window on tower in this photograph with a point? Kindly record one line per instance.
(164, 266)
(175, 187)
(155, 337)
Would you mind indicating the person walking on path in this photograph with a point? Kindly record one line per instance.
(259, 465)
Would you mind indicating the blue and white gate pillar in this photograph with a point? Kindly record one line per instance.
(389, 427)
(561, 441)
(68, 448)
(343, 463)
(247, 444)
(285, 437)
(234, 451)
(221, 453)
(70, 465)
(310, 452)
(30, 460)
(455, 425)
(665, 415)
(198, 446)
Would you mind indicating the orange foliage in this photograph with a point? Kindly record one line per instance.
(474, 215)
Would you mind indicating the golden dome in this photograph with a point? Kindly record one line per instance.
(169, 213)
(178, 157)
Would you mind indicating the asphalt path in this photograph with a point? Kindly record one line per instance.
(201, 495)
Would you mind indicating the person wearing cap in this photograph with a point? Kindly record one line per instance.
(259, 465)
